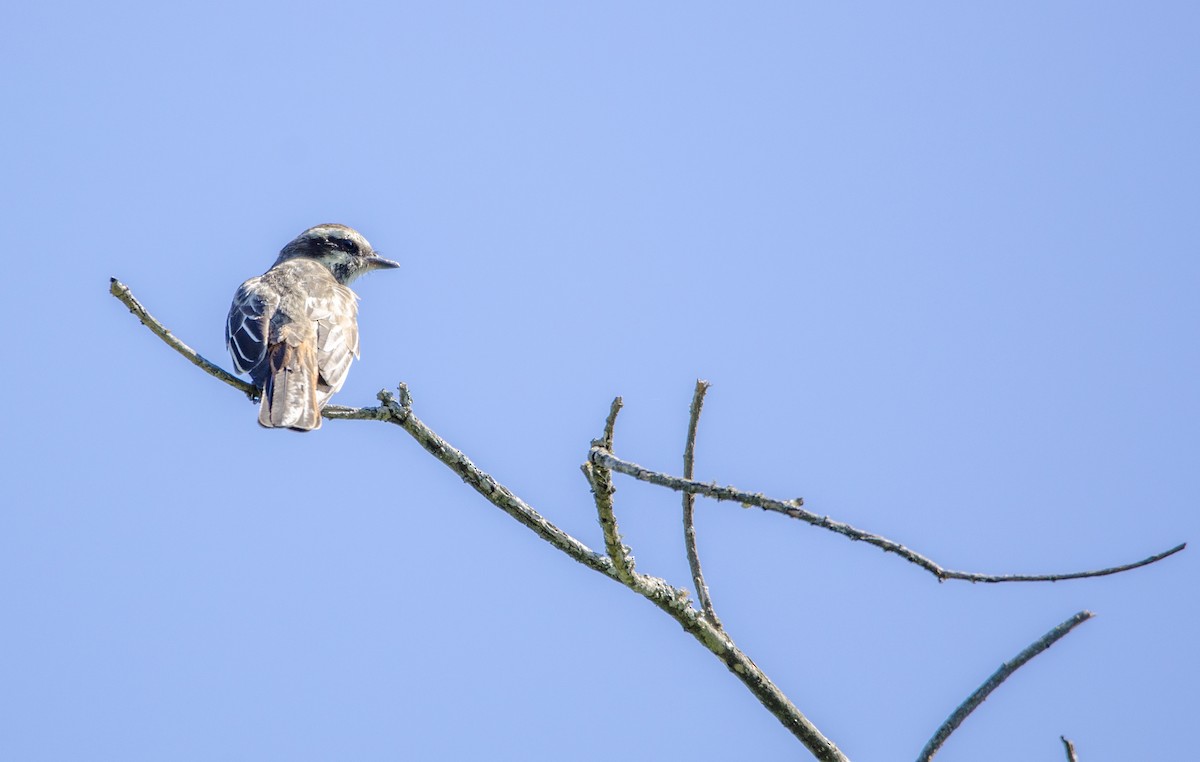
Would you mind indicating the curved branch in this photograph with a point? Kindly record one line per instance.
(992, 683)
(122, 292)
(689, 505)
(793, 509)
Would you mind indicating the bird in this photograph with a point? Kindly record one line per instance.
(294, 329)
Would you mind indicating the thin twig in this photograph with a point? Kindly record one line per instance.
(122, 292)
(689, 506)
(1071, 756)
(793, 509)
(600, 479)
(669, 599)
(992, 683)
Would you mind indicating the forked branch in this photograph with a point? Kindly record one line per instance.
(397, 410)
(617, 563)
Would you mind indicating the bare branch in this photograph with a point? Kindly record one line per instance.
(992, 683)
(400, 414)
(689, 506)
(1070, 747)
(122, 292)
(392, 411)
(793, 509)
(600, 479)
(704, 627)
(670, 599)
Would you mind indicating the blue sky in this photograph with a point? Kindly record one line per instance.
(939, 261)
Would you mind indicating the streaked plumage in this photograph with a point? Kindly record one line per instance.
(294, 328)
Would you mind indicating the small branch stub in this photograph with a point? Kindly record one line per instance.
(1070, 749)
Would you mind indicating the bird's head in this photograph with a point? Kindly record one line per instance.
(341, 249)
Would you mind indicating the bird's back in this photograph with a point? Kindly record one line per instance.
(294, 329)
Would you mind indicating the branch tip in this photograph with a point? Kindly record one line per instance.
(611, 422)
(992, 683)
(1069, 747)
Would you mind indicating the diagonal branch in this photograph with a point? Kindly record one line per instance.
(1070, 749)
(399, 412)
(122, 292)
(666, 597)
(689, 506)
(992, 683)
(793, 509)
(669, 599)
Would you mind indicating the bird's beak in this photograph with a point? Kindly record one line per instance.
(379, 263)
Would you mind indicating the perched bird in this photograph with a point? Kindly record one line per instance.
(294, 328)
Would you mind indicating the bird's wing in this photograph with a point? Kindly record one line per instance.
(336, 316)
(247, 326)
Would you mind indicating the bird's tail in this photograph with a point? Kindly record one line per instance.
(289, 398)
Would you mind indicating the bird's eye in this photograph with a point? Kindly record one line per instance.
(345, 244)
